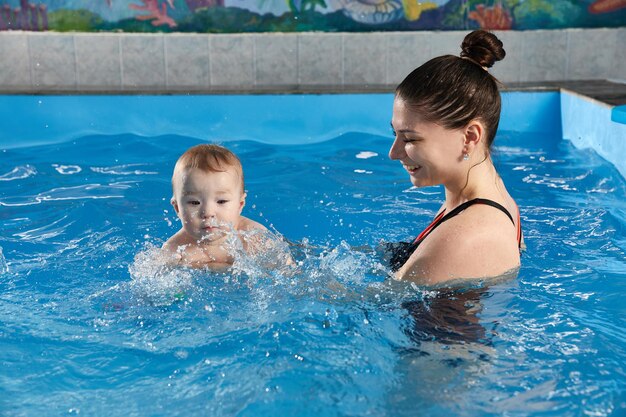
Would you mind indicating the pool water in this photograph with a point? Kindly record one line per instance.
(90, 325)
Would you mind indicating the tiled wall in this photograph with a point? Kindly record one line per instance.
(122, 62)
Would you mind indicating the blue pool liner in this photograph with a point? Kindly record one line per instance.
(618, 114)
(588, 123)
(289, 119)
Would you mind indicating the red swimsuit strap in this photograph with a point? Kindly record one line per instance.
(519, 228)
(441, 218)
(431, 226)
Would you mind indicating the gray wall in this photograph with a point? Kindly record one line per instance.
(34, 62)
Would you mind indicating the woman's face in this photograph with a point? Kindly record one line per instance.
(431, 154)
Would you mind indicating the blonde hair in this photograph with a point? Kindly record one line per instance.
(208, 158)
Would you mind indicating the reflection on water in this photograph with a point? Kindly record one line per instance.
(448, 317)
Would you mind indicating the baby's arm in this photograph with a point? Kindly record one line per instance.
(172, 249)
(260, 242)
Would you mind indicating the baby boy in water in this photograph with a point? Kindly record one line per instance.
(208, 196)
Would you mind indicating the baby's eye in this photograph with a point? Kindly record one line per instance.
(193, 202)
(222, 201)
(393, 132)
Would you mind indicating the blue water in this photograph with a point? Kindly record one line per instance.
(90, 326)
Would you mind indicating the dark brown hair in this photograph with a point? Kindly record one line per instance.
(453, 90)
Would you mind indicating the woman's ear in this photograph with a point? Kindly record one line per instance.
(474, 134)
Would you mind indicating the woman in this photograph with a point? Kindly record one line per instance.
(445, 117)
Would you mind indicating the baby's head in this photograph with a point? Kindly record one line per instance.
(208, 189)
(206, 158)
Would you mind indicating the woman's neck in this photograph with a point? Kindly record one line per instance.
(481, 181)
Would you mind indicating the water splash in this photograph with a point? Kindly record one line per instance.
(348, 264)
(261, 253)
(4, 268)
(156, 282)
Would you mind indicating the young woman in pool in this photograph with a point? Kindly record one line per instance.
(445, 117)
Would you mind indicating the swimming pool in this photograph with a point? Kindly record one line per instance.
(88, 325)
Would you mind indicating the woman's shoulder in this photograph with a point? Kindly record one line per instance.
(481, 229)
(479, 242)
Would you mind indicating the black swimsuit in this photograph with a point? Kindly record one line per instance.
(402, 251)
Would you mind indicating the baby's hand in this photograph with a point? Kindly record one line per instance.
(268, 249)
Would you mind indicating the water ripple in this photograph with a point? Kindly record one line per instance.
(67, 169)
(45, 232)
(122, 170)
(80, 192)
(19, 173)
(83, 303)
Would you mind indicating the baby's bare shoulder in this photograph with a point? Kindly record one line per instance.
(246, 224)
(175, 241)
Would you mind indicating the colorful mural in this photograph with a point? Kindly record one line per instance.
(231, 16)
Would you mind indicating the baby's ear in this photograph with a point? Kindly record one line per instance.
(242, 202)
(174, 204)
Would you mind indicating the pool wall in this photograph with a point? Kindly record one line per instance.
(31, 119)
(280, 119)
(50, 62)
(588, 124)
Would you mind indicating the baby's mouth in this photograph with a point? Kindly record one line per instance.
(211, 226)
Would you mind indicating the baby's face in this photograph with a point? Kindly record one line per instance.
(208, 203)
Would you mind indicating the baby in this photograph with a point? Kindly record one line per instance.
(208, 196)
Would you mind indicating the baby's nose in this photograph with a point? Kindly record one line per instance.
(208, 211)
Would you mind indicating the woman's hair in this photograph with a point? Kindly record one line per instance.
(208, 158)
(453, 90)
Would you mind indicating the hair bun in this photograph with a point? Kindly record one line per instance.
(482, 47)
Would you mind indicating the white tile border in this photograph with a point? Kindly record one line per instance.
(539, 70)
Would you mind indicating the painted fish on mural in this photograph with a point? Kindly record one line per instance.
(606, 6)
(235, 16)
(373, 12)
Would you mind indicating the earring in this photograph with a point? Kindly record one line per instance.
(465, 156)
